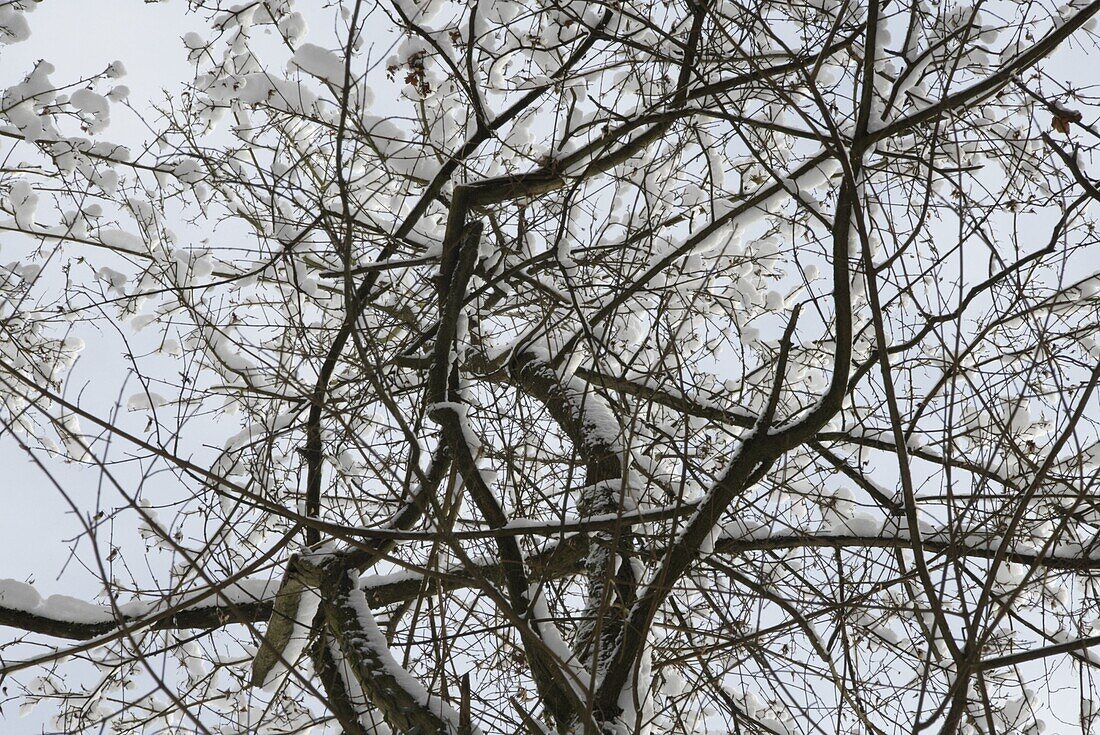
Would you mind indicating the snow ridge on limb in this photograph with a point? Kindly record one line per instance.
(561, 559)
(757, 452)
(22, 607)
(596, 433)
(403, 700)
(447, 407)
(288, 629)
(345, 696)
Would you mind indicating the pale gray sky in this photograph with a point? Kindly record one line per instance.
(80, 37)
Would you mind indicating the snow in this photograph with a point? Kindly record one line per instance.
(23, 202)
(773, 301)
(459, 409)
(64, 607)
(121, 240)
(94, 109)
(369, 718)
(16, 595)
(293, 27)
(422, 11)
(115, 280)
(13, 25)
(188, 171)
(592, 414)
(145, 401)
(743, 529)
(543, 623)
(253, 589)
(308, 605)
(29, 123)
(23, 597)
(861, 524)
(372, 643)
(635, 699)
(374, 581)
(320, 63)
(706, 548)
(259, 87)
(37, 87)
(107, 180)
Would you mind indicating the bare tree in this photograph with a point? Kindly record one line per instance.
(577, 367)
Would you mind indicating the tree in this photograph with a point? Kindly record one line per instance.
(577, 367)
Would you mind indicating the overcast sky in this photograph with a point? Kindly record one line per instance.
(78, 38)
(81, 37)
